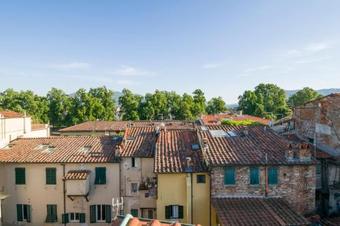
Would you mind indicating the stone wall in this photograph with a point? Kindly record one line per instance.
(296, 184)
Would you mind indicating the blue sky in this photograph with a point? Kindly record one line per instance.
(222, 47)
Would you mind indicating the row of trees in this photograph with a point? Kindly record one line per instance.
(269, 101)
(61, 109)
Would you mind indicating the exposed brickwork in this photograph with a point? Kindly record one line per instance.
(296, 185)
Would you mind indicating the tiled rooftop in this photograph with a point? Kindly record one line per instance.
(217, 118)
(100, 126)
(10, 114)
(175, 149)
(238, 145)
(138, 142)
(80, 149)
(77, 175)
(256, 211)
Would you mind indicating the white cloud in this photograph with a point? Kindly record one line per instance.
(308, 50)
(211, 65)
(318, 46)
(125, 70)
(71, 66)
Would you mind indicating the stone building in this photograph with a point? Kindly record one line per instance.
(256, 163)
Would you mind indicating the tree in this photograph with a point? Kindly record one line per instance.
(186, 112)
(216, 105)
(199, 102)
(59, 108)
(129, 104)
(267, 100)
(303, 96)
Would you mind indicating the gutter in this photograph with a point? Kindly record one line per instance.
(64, 191)
(192, 202)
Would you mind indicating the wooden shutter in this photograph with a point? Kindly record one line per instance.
(65, 218)
(254, 175)
(168, 210)
(51, 177)
(82, 218)
(180, 212)
(20, 177)
(100, 175)
(28, 213)
(272, 175)
(19, 212)
(229, 175)
(93, 214)
(108, 214)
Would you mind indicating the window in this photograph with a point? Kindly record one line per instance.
(51, 176)
(51, 214)
(100, 213)
(174, 212)
(20, 176)
(100, 175)
(133, 162)
(134, 212)
(272, 175)
(150, 214)
(229, 176)
(134, 187)
(254, 175)
(318, 169)
(200, 179)
(23, 213)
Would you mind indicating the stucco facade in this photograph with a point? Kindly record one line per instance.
(38, 195)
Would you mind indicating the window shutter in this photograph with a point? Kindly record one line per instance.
(51, 177)
(19, 212)
(229, 175)
(28, 213)
(65, 218)
(108, 214)
(168, 212)
(254, 175)
(20, 177)
(82, 218)
(93, 214)
(273, 175)
(180, 212)
(100, 175)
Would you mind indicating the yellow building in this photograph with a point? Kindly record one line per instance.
(183, 184)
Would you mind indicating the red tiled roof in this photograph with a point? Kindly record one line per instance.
(321, 99)
(80, 149)
(138, 142)
(243, 149)
(101, 126)
(10, 114)
(217, 118)
(256, 211)
(172, 150)
(77, 175)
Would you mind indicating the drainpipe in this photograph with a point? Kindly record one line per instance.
(210, 198)
(192, 207)
(266, 177)
(64, 191)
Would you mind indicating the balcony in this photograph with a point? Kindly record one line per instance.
(77, 183)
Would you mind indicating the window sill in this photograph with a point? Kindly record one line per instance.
(254, 185)
(230, 185)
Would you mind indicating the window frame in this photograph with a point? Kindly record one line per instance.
(98, 180)
(133, 162)
(25, 209)
(20, 179)
(75, 220)
(225, 181)
(132, 186)
(269, 169)
(48, 177)
(202, 179)
(258, 179)
(175, 211)
(56, 213)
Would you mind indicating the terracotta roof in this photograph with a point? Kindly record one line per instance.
(10, 114)
(320, 99)
(256, 211)
(77, 175)
(129, 220)
(101, 126)
(217, 118)
(138, 142)
(175, 150)
(80, 149)
(243, 145)
(39, 126)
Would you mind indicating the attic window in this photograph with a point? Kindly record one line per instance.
(231, 134)
(204, 128)
(47, 148)
(195, 147)
(218, 133)
(85, 149)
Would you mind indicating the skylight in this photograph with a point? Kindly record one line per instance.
(195, 147)
(218, 133)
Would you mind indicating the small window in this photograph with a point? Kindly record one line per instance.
(134, 212)
(174, 212)
(272, 175)
(23, 213)
(134, 187)
(133, 162)
(150, 214)
(51, 176)
(318, 169)
(100, 175)
(195, 147)
(100, 213)
(200, 179)
(229, 176)
(52, 215)
(254, 175)
(20, 176)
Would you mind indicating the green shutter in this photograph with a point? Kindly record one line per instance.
(51, 176)
(229, 176)
(93, 214)
(168, 212)
(108, 214)
(20, 177)
(180, 212)
(254, 175)
(100, 175)
(65, 218)
(272, 175)
(82, 218)
(19, 212)
(28, 213)
(52, 215)
(134, 212)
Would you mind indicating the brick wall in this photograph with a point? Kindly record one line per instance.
(296, 184)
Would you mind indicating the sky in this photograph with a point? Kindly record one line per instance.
(222, 47)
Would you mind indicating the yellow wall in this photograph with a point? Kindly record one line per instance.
(175, 189)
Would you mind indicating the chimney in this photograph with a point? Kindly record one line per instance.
(188, 167)
(305, 153)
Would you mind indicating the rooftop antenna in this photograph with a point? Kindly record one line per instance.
(117, 206)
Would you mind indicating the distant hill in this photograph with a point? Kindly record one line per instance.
(323, 92)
